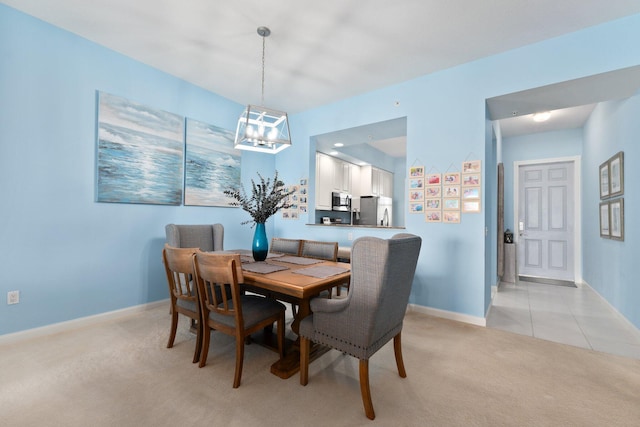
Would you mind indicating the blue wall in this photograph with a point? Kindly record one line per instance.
(95, 257)
(609, 265)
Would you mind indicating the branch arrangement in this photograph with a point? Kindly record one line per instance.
(266, 198)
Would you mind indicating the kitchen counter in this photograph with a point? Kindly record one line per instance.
(357, 226)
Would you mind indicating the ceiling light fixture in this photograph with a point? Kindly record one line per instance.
(259, 128)
(541, 117)
(338, 144)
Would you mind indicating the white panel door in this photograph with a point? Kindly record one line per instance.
(546, 221)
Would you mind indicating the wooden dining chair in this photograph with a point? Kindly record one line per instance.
(178, 265)
(226, 309)
(382, 273)
(280, 245)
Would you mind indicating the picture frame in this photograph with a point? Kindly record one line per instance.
(451, 217)
(471, 193)
(451, 191)
(416, 183)
(471, 179)
(416, 207)
(616, 174)
(604, 180)
(616, 219)
(433, 216)
(452, 204)
(472, 166)
(434, 179)
(451, 178)
(416, 195)
(433, 191)
(433, 203)
(416, 172)
(604, 220)
(471, 206)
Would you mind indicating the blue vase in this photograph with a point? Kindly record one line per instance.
(260, 245)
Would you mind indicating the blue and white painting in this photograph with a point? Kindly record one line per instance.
(212, 165)
(140, 154)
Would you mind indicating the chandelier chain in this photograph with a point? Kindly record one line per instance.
(263, 45)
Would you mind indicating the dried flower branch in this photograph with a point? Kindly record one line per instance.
(266, 198)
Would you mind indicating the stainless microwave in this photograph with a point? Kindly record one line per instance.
(341, 202)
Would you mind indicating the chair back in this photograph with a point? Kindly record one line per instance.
(178, 266)
(217, 277)
(207, 237)
(280, 245)
(382, 273)
(320, 250)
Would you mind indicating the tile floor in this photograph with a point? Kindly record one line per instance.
(574, 316)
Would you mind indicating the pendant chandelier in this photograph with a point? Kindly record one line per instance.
(259, 128)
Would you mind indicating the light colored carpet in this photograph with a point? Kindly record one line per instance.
(119, 373)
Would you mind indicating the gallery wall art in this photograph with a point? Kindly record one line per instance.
(140, 153)
(212, 165)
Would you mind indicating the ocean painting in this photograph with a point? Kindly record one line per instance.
(212, 165)
(140, 153)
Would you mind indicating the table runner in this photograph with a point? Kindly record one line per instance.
(321, 271)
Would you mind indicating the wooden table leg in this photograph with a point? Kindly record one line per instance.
(290, 364)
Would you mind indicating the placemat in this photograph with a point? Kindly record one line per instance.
(299, 260)
(321, 271)
(262, 267)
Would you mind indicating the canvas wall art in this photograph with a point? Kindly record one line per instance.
(140, 153)
(212, 165)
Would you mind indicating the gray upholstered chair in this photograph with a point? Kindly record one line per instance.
(320, 250)
(372, 313)
(207, 237)
(280, 245)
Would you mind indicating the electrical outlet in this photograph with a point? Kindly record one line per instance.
(13, 297)
(350, 236)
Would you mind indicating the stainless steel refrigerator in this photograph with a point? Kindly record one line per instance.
(376, 210)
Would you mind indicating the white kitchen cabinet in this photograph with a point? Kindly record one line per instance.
(375, 182)
(325, 171)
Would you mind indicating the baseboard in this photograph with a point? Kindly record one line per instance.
(451, 315)
(81, 322)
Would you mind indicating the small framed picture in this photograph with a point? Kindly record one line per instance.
(416, 183)
(616, 174)
(451, 191)
(434, 179)
(451, 204)
(416, 207)
(432, 203)
(470, 179)
(433, 216)
(452, 217)
(604, 220)
(416, 195)
(472, 166)
(433, 191)
(471, 193)
(416, 172)
(616, 219)
(471, 206)
(604, 180)
(451, 178)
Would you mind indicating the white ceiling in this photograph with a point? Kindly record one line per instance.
(319, 51)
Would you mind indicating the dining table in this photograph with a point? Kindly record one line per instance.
(295, 280)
